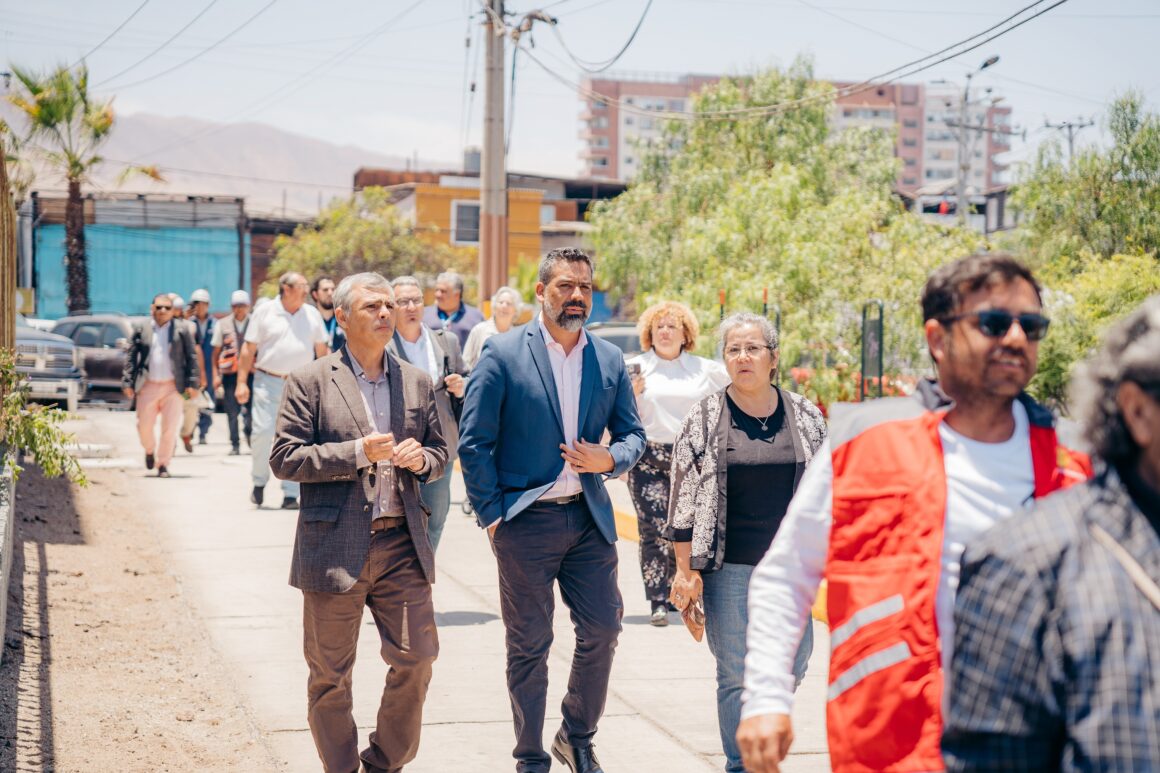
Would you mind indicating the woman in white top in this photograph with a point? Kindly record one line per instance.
(667, 381)
(505, 309)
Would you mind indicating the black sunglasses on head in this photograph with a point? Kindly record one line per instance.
(994, 323)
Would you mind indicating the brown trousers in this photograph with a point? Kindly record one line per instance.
(393, 586)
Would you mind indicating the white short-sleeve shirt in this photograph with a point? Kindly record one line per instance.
(285, 341)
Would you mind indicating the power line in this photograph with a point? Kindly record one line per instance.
(157, 50)
(109, 37)
(247, 178)
(296, 82)
(203, 51)
(597, 67)
(894, 74)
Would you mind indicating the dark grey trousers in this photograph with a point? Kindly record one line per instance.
(543, 545)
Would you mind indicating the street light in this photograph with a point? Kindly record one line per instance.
(964, 161)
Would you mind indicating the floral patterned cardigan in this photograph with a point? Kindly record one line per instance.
(697, 502)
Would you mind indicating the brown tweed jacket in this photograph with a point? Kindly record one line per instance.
(319, 424)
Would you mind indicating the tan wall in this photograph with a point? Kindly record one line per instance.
(433, 217)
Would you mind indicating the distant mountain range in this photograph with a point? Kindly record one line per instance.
(276, 171)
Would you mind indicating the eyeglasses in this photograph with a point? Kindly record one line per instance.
(994, 323)
(156, 307)
(733, 352)
(404, 303)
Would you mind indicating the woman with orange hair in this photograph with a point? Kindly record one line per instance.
(668, 380)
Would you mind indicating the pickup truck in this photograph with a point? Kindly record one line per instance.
(50, 364)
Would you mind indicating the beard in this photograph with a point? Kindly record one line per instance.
(328, 305)
(570, 317)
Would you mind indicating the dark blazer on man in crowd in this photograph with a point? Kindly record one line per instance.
(450, 356)
(320, 421)
(183, 355)
(517, 383)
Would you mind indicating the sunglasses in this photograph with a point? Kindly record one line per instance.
(161, 308)
(994, 323)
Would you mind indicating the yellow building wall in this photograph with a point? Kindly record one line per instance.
(433, 218)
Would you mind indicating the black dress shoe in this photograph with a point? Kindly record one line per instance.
(235, 451)
(289, 503)
(257, 495)
(579, 759)
(162, 472)
(148, 461)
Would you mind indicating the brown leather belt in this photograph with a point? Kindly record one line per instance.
(386, 522)
(270, 373)
(561, 500)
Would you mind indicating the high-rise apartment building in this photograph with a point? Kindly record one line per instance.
(616, 125)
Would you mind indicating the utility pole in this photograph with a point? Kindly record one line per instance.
(493, 200)
(1072, 128)
(964, 150)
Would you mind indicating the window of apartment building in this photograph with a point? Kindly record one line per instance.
(911, 161)
(909, 142)
(676, 105)
(646, 124)
(909, 181)
(598, 142)
(599, 104)
(629, 161)
(599, 162)
(629, 120)
(910, 123)
(939, 174)
(599, 122)
(465, 222)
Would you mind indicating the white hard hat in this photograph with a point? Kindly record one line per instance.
(239, 298)
(178, 302)
(199, 295)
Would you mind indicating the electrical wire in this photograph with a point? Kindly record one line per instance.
(894, 74)
(296, 82)
(601, 66)
(511, 116)
(203, 51)
(468, 82)
(110, 36)
(157, 50)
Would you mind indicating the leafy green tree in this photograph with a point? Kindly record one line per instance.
(366, 233)
(65, 128)
(777, 202)
(1106, 201)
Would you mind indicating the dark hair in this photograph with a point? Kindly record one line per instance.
(1130, 352)
(318, 283)
(563, 254)
(948, 285)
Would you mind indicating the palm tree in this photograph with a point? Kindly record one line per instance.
(65, 128)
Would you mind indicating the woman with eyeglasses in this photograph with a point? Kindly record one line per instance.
(667, 380)
(737, 461)
(505, 310)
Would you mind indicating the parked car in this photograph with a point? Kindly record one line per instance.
(103, 340)
(52, 365)
(623, 334)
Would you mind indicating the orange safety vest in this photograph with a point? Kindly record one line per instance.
(889, 504)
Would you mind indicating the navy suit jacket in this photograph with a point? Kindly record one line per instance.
(511, 431)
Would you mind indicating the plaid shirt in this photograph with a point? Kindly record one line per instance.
(1056, 664)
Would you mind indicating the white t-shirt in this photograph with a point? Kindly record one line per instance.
(986, 483)
(285, 341)
(672, 388)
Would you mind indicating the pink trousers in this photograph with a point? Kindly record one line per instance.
(159, 398)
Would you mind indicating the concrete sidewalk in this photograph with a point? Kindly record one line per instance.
(232, 559)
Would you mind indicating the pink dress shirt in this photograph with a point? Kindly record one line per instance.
(566, 371)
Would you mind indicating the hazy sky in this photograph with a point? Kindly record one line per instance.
(341, 71)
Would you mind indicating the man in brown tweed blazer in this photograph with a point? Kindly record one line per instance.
(360, 431)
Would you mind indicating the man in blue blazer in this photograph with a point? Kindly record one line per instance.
(537, 407)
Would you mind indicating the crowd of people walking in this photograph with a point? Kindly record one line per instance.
(991, 595)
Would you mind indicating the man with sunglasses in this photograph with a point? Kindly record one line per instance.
(884, 513)
(160, 369)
